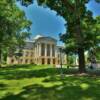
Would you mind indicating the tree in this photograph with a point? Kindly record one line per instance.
(26, 2)
(75, 13)
(91, 36)
(12, 25)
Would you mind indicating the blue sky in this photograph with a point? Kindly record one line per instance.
(45, 22)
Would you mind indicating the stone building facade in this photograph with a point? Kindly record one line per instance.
(42, 50)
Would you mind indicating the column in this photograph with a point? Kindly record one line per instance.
(45, 50)
(54, 51)
(51, 53)
(35, 51)
(45, 54)
(50, 50)
(35, 55)
(39, 49)
(56, 55)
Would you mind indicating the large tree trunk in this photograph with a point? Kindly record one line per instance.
(81, 60)
(0, 57)
(80, 42)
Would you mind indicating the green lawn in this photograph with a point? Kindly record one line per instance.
(30, 82)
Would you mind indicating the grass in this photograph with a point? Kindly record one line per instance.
(28, 82)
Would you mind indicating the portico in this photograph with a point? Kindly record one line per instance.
(46, 50)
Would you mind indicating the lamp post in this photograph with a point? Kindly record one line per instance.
(60, 49)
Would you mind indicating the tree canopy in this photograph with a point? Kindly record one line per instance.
(91, 36)
(82, 31)
(14, 26)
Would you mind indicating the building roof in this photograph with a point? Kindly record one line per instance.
(43, 37)
(37, 37)
(29, 45)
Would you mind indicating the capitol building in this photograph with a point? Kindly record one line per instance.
(41, 50)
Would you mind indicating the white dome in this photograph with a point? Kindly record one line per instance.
(37, 37)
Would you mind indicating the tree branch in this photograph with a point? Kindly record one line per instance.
(66, 3)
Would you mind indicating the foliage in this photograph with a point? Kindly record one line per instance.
(94, 52)
(91, 34)
(79, 35)
(70, 59)
(12, 25)
(26, 2)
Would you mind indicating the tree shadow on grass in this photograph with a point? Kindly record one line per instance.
(3, 86)
(10, 96)
(19, 74)
(65, 91)
(14, 73)
(16, 67)
(77, 88)
(70, 89)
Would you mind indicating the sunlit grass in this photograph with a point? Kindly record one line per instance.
(84, 86)
(28, 82)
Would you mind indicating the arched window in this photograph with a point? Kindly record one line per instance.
(12, 61)
(26, 61)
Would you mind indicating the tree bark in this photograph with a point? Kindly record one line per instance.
(80, 42)
(0, 57)
(81, 60)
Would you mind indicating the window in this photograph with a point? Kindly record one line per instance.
(12, 60)
(26, 61)
(31, 61)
